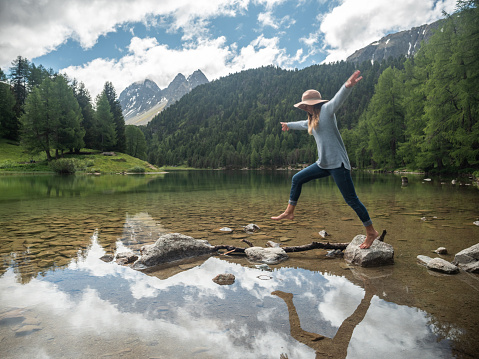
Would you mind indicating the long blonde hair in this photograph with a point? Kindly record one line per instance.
(313, 119)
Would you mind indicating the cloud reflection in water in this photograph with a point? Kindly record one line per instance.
(188, 315)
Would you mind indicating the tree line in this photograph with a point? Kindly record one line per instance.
(50, 114)
(415, 113)
(419, 113)
(424, 114)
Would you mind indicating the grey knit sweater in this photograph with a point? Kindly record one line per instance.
(331, 150)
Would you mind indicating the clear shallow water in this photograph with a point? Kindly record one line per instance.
(59, 300)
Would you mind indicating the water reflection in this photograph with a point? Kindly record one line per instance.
(55, 292)
(92, 308)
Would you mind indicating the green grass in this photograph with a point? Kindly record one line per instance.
(13, 158)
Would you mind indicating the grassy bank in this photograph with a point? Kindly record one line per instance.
(14, 159)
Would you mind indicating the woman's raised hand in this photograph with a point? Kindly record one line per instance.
(354, 79)
(284, 126)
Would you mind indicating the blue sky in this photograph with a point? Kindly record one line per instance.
(126, 41)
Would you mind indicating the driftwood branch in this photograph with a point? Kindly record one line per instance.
(305, 247)
(381, 237)
(248, 242)
(316, 245)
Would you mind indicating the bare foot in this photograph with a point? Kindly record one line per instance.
(370, 237)
(283, 215)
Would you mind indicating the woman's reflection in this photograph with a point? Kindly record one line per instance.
(336, 347)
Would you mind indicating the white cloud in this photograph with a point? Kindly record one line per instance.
(34, 28)
(267, 19)
(356, 23)
(149, 59)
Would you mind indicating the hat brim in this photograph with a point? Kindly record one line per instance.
(301, 105)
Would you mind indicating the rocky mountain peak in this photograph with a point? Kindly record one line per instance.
(143, 100)
(405, 43)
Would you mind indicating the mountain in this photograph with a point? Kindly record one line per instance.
(405, 43)
(141, 101)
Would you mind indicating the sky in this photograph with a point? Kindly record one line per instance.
(125, 41)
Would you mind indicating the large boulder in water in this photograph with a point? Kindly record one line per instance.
(171, 247)
(468, 259)
(379, 254)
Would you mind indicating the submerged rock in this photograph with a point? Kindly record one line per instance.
(441, 265)
(171, 247)
(107, 258)
(251, 228)
(224, 279)
(126, 258)
(379, 254)
(266, 255)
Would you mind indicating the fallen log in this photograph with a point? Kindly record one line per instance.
(316, 245)
(302, 248)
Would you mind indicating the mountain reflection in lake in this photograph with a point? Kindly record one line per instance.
(59, 300)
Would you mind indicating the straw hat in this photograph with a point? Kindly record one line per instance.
(310, 97)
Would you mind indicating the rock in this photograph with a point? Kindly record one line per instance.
(441, 250)
(272, 244)
(226, 229)
(441, 265)
(467, 255)
(476, 223)
(266, 255)
(264, 267)
(324, 234)
(171, 247)
(379, 254)
(126, 258)
(27, 329)
(424, 260)
(224, 279)
(107, 258)
(472, 267)
(468, 259)
(251, 228)
(335, 253)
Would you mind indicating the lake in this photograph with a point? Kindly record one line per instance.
(58, 299)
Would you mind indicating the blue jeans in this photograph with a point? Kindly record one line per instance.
(342, 178)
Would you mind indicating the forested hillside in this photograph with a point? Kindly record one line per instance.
(235, 121)
(419, 113)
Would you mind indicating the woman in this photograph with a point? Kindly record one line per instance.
(332, 156)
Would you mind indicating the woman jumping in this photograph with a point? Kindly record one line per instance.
(332, 156)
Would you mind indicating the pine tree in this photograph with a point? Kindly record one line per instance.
(9, 124)
(135, 142)
(88, 114)
(385, 119)
(19, 78)
(106, 124)
(41, 119)
(69, 134)
(118, 119)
